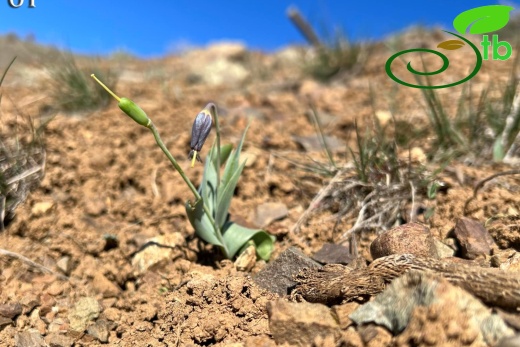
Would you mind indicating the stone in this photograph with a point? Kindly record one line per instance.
(104, 286)
(314, 143)
(64, 264)
(511, 341)
(246, 260)
(512, 263)
(41, 208)
(58, 340)
(99, 330)
(473, 238)
(161, 249)
(10, 310)
(268, 212)
(411, 238)
(85, 310)
(4, 321)
(373, 335)
(343, 311)
(443, 250)
(277, 276)
(383, 117)
(299, 324)
(29, 338)
(331, 253)
(419, 302)
(29, 301)
(47, 302)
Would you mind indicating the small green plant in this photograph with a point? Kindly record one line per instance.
(338, 56)
(208, 214)
(486, 127)
(72, 91)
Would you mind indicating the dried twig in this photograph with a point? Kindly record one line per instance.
(303, 26)
(481, 183)
(338, 283)
(316, 201)
(31, 263)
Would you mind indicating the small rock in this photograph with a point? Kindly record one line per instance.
(473, 238)
(56, 288)
(29, 338)
(511, 341)
(412, 238)
(58, 340)
(10, 310)
(383, 117)
(313, 143)
(248, 157)
(246, 260)
(29, 302)
(64, 264)
(512, 263)
(85, 310)
(299, 324)
(419, 302)
(47, 302)
(104, 286)
(99, 330)
(154, 255)
(268, 212)
(277, 276)
(331, 253)
(4, 321)
(373, 335)
(58, 325)
(443, 250)
(112, 314)
(41, 208)
(343, 311)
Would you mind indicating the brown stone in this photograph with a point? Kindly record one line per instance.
(411, 238)
(10, 310)
(299, 324)
(473, 238)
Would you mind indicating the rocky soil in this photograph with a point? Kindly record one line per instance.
(123, 267)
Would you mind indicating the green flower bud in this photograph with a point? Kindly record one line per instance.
(134, 111)
(128, 106)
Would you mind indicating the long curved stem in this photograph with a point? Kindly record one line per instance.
(214, 111)
(190, 185)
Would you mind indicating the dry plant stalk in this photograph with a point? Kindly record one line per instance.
(337, 283)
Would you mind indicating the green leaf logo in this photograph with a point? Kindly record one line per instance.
(482, 20)
(451, 45)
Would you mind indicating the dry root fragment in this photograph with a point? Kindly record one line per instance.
(340, 284)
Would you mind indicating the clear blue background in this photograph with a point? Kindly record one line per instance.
(152, 28)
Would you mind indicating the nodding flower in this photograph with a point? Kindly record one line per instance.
(199, 133)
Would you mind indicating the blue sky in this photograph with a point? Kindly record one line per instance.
(155, 28)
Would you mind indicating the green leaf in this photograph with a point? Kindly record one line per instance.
(225, 151)
(232, 165)
(498, 150)
(451, 45)
(432, 189)
(200, 222)
(236, 236)
(225, 195)
(482, 20)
